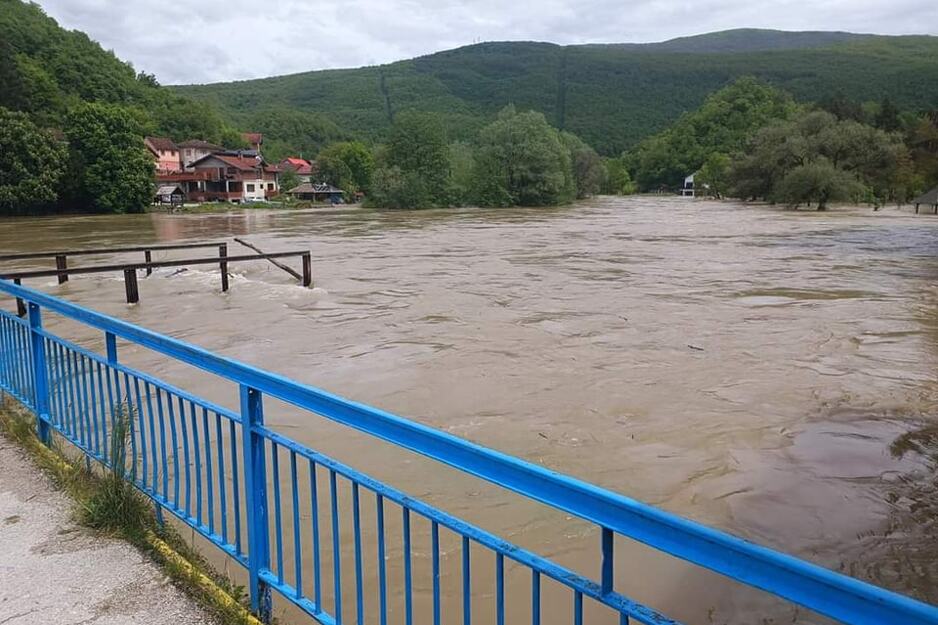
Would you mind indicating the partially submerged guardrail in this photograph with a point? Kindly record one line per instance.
(132, 291)
(209, 466)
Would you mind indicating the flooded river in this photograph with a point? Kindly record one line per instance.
(747, 367)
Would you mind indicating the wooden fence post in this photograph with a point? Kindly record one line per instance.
(61, 263)
(130, 285)
(222, 253)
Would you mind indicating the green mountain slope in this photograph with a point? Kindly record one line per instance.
(611, 95)
(46, 69)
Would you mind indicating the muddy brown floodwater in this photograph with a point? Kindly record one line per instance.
(746, 367)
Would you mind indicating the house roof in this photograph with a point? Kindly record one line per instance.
(238, 162)
(253, 137)
(168, 189)
(309, 187)
(198, 143)
(929, 197)
(299, 165)
(162, 143)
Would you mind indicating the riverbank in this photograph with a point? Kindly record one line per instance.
(58, 569)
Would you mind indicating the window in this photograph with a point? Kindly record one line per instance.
(250, 188)
(270, 186)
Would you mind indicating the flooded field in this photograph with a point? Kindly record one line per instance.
(767, 372)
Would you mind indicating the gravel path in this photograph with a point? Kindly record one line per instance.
(55, 571)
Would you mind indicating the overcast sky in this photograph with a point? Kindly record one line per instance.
(187, 41)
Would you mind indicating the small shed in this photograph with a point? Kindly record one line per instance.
(927, 199)
(320, 192)
(171, 194)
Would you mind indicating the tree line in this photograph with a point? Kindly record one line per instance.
(517, 160)
(751, 141)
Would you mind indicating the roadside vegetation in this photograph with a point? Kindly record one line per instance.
(106, 502)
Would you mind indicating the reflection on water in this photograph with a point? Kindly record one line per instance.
(746, 367)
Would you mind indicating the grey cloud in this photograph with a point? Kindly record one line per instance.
(217, 40)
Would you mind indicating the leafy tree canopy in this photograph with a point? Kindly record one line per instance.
(32, 162)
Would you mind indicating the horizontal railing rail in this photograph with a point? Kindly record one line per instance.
(260, 453)
(111, 250)
(130, 269)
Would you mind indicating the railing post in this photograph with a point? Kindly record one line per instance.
(148, 257)
(20, 304)
(608, 563)
(255, 490)
(110, 341)
(222, 253)
(40, 381)
(62, 265)
(307, 270)
(130, 286)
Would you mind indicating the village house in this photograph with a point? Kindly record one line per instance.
(228, 178)
(194, 149)
(165, 153)
(305, 170)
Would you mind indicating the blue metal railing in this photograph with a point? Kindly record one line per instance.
(238, 483)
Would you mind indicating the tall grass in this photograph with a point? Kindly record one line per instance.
(115, 505)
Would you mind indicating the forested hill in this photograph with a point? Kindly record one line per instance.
(611, 95)
(45, 70)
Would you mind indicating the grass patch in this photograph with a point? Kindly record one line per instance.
(106, 502)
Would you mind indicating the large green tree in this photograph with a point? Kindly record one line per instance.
(414, 166)
(347, 165)
(722, 124)
(32, 162)
(110, 170)
(589, 171)
(817, 157)
(522, 160)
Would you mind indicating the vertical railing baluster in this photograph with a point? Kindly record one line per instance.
(171, 415)
(154, 461)
(196, 449)
(466, 583)
(577, 607)
(184, 432)
(209, 486)
(408, 575)
(108, 414)
(336, 551)
(608, 560)
(255, 492)
(314, 514)
(535, 597)
(435, 569)
(499, 589)
(101, 418)
(357, 535)
(165, 466)
(81, 386)
(222, 487)
(41, 382)
(236, 486)
(89, 388)
(142, 433)
(131, 428)
(297, 544)
(278, 521)
(382, 564)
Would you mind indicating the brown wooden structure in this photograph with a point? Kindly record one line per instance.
(62, 271)
(929, 198)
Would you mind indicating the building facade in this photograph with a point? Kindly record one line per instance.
(165, 154)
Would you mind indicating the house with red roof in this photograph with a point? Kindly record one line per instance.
(254, 139)
(305, 170)
(165, 154)
(230, 177)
